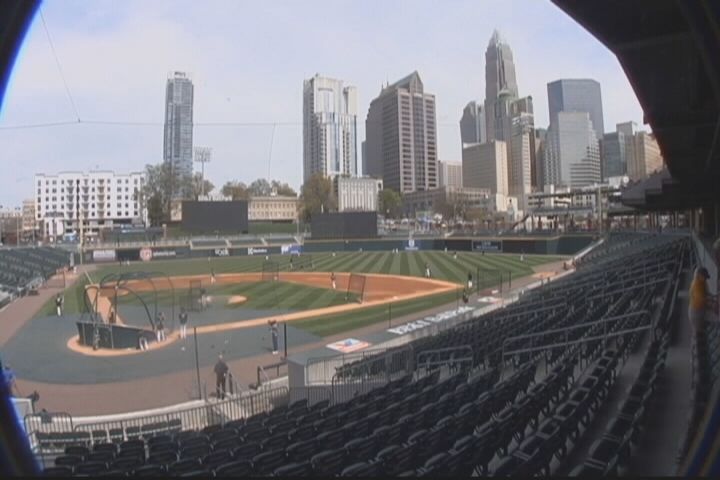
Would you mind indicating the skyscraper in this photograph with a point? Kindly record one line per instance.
(577, 95)
(484, 165)
(449, 174)
(520, 126)
(401, 138)
(647, 158)
(500, 84)
(614, 161)
(538, 176)
(572, 152)
(329, 128)
(472, 124)
(178, 135)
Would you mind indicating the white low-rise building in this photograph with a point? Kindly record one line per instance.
(82, 204)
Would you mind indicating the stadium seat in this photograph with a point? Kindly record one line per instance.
(105, 456)
(184, 465)
(90, 468)
(266, 462)
(163, 458)
(68, 461)
(303, 469)
(127, 464)
(360, 469)
(216, 458)
(238, 468)
(77, 451)
(275, 442)
(59, 471)
(195, 451)
(328, 462)
(246, 451)
(395, 459)
(300, 451)
(360, 449)
(150, 471)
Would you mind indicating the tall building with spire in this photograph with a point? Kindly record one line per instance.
(401, 136)
(178, 131)
(500, 85)
(329, 128)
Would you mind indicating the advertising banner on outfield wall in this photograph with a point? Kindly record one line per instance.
(104, 255)
(291, 249)
(412, 245)
(221, 252)
(487, 245)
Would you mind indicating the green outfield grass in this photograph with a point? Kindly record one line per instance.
(264, 295)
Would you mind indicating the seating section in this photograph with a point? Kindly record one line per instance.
(21, 267)
(542, 368)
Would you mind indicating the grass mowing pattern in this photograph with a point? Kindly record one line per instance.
(284, 295)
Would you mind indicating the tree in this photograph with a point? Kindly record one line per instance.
(163, 184)
(283, 189)
(260, 188)
(236, 190)
(390, 203)
(198, 183)
(317, 196)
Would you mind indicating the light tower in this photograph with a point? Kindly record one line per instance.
(202, 155)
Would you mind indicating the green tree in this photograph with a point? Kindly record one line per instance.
(235, 190)
(283, 189)
(390, 203)
(317, 196)
(200, 186)
(260, 188)
(163, 184)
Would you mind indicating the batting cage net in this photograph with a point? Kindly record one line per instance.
(356, 287)
(195, 296)
(303, 262)
(56, 280)
(270, 271)
(489, 279)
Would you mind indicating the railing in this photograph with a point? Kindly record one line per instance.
(53, 429)
(381, 362)
(453, 357)
(566, 330)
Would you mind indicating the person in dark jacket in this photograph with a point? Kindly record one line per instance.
(221, 371)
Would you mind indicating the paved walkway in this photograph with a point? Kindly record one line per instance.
(176, 387)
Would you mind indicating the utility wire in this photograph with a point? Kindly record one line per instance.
(59, 67)
(162, 124)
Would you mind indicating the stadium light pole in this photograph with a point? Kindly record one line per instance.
(202, 156)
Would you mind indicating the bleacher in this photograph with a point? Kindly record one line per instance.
(542, 368)
(21, 268)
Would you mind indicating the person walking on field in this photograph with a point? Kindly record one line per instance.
(160, 327)
(183, 323)
(274, 334)
(700, 301)
(59, 305)
(212, 276)
(427, 271)
(470, 281)
(221, 370)
(332, 280)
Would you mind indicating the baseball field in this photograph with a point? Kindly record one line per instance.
(297, 296)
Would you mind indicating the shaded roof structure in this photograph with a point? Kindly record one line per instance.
(670, 51)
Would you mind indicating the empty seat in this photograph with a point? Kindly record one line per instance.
(163, 458)
(90, 468)
(246, 451)
(328, 462)
(267, 462)
(127, 464)
(360, 449)
(238, 468)
(300, 451)
(302, 469)
(150, 471)
(216, 459)
(360, 469)
(184, 465)
(60, 471)
(68, 461)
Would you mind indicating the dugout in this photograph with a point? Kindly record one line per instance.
(344, 225)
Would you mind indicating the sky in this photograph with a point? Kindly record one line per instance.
(248, 60)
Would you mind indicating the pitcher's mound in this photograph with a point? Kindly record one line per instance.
(236, 300)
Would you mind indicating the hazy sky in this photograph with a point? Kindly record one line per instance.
(248, 60)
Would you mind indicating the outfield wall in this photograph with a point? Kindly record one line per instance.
(564, 245)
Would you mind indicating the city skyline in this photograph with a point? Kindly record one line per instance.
(121, 53)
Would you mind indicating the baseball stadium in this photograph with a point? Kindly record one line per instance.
(348, 350)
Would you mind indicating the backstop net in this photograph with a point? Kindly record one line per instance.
(270, 271)
(356, 288)
(194, 296)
